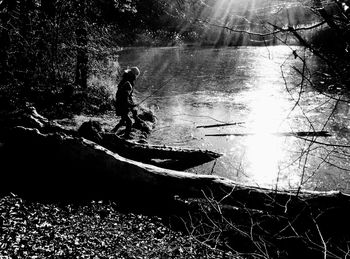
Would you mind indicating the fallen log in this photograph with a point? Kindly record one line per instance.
(60, 164)
(176, 158)
(164, 156)
(56, 162)
(50, 154)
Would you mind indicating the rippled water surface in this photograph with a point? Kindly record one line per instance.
(257, 88)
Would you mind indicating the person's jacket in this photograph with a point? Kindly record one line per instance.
(123, 98)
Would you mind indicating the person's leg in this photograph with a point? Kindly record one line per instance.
(135, 116)
(128, 122)
(122, 120)
(120, 123)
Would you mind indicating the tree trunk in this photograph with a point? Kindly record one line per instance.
(6, 8)
(82, 58)
(81, 71)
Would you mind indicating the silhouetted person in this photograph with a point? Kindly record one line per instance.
(124, 102)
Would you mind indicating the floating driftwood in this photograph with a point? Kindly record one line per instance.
(286, 134)
(219, 125)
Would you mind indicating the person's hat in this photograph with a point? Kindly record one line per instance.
(134, 70)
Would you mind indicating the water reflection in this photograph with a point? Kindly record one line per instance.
(267, 114)
(246, 85)
(263, 148)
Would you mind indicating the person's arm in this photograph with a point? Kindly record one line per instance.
(131, 102)
(128, 94)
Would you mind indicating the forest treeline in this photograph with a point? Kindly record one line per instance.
(49, 49)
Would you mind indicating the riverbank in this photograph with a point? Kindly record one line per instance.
(70, 203)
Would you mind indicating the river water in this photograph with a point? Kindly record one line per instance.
(257, 88)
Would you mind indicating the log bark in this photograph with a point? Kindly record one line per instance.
(58, 164)
(163, 156)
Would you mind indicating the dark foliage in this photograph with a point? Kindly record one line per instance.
(49, 49)
(46, 48)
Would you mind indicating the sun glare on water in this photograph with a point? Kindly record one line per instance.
(263, 147)
(267, 114)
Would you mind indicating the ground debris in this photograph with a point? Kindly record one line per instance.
(31, 229)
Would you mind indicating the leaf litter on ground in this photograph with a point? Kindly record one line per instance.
(32, 229)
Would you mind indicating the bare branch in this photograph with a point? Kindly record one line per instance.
(275, 31)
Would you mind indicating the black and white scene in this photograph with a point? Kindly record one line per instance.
(174, 129)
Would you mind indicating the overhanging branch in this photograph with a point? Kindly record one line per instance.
(275, 31)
